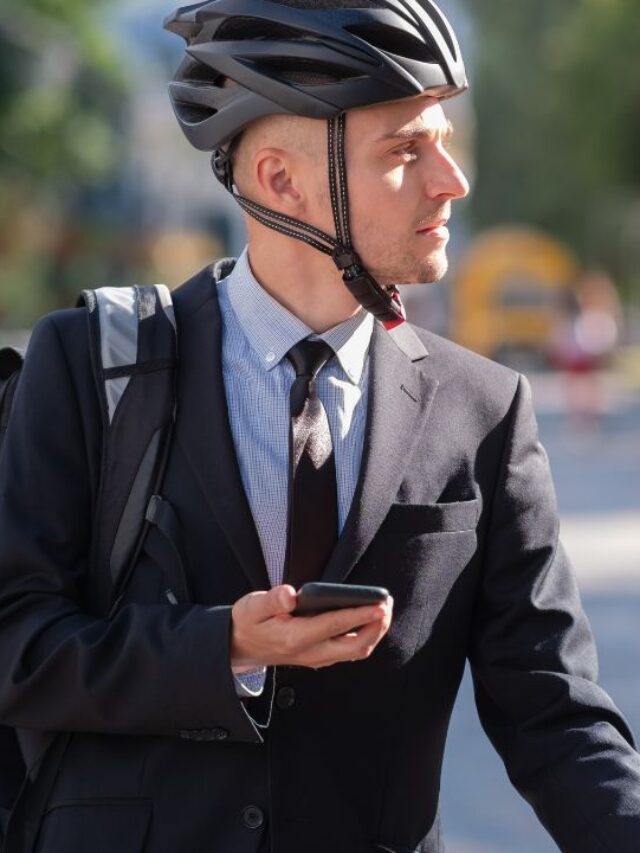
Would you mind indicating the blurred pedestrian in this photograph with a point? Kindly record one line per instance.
(582, 346)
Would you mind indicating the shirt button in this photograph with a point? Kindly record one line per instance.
(285, 698)
(270, 356)
(252, 817)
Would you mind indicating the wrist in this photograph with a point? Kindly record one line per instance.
(241, 658)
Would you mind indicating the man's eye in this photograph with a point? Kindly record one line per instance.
(407, 154)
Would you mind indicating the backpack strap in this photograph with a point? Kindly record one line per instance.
(133, 342)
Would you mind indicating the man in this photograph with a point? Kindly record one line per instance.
(227, 723)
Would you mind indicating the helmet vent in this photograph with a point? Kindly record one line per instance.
(243, 28)
(392, 41)
(444, 29)
(198, 72)
(330, 4)
(192, 114)
(306, 71)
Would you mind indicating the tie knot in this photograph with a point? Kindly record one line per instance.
(309, 357)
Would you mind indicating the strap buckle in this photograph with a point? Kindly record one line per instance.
(345, 258)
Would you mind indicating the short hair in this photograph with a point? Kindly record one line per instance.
(293, 70)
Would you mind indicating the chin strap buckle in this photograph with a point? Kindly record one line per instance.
(345, 258)
(383, 302)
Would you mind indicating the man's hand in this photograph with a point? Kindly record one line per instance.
(265, 633)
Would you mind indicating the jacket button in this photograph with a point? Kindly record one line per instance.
(253, 817)
(285, 698)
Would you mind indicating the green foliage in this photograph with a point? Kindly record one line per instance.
(557, 89)
(61, 86)
(61, 97)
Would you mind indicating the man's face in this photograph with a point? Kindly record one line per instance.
(401, 182)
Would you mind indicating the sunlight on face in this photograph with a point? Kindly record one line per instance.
(402, 181)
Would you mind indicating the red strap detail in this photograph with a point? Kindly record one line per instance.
(392, 324)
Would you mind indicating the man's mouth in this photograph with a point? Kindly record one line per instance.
(434, 226)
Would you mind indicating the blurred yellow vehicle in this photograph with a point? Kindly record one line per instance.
(509, 293)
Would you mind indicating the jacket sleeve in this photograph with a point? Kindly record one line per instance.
(565, 745)
(153, 669)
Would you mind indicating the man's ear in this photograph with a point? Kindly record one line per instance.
(272, 169)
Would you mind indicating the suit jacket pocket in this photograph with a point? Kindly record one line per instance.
(415, 519)
(419, 555)
(99, 825)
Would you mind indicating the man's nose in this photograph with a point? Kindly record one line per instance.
(445, 179)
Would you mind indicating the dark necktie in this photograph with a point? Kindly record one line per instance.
(313, 503)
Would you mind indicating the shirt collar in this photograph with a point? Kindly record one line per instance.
(272, 330)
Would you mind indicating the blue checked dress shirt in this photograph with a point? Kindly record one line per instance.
(257, 334)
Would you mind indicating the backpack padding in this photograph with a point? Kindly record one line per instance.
(119, 312)
(134, 354)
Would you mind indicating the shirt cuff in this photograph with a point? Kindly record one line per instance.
(249, 685)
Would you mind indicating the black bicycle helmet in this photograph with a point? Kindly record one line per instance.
(314, 58)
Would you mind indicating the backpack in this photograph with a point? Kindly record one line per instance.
(133, 347)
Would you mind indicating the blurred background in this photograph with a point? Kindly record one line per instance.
(98, 187)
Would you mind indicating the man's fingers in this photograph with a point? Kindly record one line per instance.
(324, 626)
(339, 622)
(266, 632)
(261, 606)
(351, 647)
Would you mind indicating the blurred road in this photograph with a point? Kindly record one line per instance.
(596, 467)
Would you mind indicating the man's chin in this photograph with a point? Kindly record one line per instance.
(433, 270)
(411, 270)
(425, 273)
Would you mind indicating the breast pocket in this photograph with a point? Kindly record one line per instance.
(415, 519)
(420, 555)
(424, 547)
(101, 826)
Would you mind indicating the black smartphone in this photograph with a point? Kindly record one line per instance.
(318, 597)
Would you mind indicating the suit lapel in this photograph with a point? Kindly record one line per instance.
(203, 431)
(400, 396)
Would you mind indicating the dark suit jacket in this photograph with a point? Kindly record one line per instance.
(454, 512)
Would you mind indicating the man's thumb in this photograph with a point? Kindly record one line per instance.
(283, 599)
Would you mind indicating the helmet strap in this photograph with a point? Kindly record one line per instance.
(383, 302)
